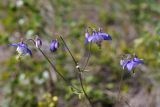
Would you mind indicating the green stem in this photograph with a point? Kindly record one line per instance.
(120, 84)
(119, 90)
(79, 74)
(55, 69)
(89, 55)
(74, 60)
(81, 82)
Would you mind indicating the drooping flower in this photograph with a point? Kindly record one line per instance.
(131, 63)
(96, 37)
(22, 48)
(54, 45)
(38, 42)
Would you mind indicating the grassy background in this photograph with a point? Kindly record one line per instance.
(133, 24)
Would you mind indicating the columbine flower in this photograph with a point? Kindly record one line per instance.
(131, 63)
(96, 37)
(38, 42)
(22, 48)
(54, 45)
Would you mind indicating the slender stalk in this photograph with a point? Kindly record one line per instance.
(55, 69)
(120, 84)
(81, 82)
(79, 74)
(74, 60)
(89, 55)
(119, 90)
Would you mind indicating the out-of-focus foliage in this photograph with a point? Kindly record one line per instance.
(133, 24)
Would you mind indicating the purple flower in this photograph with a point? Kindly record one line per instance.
(54, 45)
(131, 63)
(22, 48)
(96, 37)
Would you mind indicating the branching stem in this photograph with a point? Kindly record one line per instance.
(55, 69)
(79, 73)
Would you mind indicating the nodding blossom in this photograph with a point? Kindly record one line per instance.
(54, 45)
(131, 63)
(22, 48)
(96, 37)
(38, 42)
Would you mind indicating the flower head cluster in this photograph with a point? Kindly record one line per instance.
(22, 48)
(130, 63)
(96, 37)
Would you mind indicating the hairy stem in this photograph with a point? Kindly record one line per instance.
(79, 73)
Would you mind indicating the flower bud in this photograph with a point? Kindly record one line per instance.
(54, 45)
(38, 42)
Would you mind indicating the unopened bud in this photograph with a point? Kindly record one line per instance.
(54, 45)
(38, 42)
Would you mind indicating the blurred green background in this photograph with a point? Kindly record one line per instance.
(134, 26)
